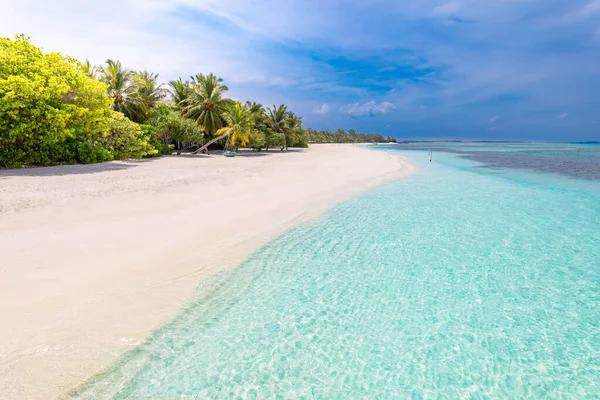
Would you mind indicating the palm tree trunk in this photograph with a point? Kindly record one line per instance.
(201, 149)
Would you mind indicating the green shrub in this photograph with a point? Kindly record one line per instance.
(125, 139)
(53, 113)
(256, 140)
(275, 139)
(151, 136)
(300, 140)
(170, 126)
(45, 102)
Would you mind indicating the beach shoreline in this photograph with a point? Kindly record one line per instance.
(97, 256)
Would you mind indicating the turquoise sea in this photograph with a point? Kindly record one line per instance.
(469, 279)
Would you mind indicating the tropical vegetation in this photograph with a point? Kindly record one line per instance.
(341, 136)
(57, 110)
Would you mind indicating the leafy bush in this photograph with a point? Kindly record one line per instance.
(274, 139)
(51, 112)
(170, 126)
(300, 140)
(256, 140)
(125, 139)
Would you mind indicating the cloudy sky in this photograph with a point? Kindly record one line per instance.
(466, 69)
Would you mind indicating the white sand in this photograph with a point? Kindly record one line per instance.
(93, 257)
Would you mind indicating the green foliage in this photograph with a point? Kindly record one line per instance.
(151, 136)
(53, 112)
(89, 69)
(119, 87)
(146, 95)
(276, 121)
(206, 104)
(169, 126)
(256, 140)
(179, 91)
(45, 102)
(284, 122)
(134, 93)
(300, 139)
(186, 131)
(341, 136)
(275, 139)
(125, 139)
(239, 121)
(294, 133)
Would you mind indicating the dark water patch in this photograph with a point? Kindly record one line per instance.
(576, 161)
(580, 168)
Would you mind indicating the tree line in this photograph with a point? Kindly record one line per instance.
(341, 136)
(57, 110)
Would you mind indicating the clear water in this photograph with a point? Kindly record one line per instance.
(576, 160)
(457, 282)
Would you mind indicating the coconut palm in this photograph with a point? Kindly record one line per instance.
(255, 108)
(146, 93)
(119, 84)
(277, 117)
(206, 103)
(294, 128)
(89, 69)
(239, 122)
(180, 91)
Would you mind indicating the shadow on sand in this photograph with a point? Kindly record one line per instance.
(62, 170)
(240, 153)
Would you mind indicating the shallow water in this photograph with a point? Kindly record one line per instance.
(458, 281)
(576, 160)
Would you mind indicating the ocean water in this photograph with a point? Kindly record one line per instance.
(465, 280)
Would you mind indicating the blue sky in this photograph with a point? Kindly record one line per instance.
(466, 69)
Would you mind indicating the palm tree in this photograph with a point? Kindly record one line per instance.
(89, 69)
(146, 93)
(294, 128)
(180, 92)
(239, 121)
(277, 120)
(255, 108)
(206, 103)
(119, 84)
(258, 115)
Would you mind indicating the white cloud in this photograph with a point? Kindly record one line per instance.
(323, 109)
(85, 31)
(183, 37)
(370, 108)
(494, 118)
(563, 115)
(593, 7)
(446, 9)
(151, 34)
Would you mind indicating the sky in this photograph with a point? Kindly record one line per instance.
(418, 69)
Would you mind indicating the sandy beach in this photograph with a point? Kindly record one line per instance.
(96, 256)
